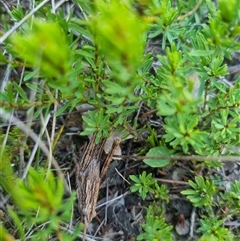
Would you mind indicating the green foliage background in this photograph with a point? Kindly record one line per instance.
(103, 59)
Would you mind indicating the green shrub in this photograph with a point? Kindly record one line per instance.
(103, 60)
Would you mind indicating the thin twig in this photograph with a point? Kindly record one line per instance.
(184, 158)
(57, 5)
(29, 123)
(72, 210)
(45, 122)
(19, 24)
(7, 74)
(122, 176)
(28, 118)
(193, 215)
(180, 18)
(51, 139)
(37, 120)
(48, 141)
(113, 200)
(171, 181)
(106, 207)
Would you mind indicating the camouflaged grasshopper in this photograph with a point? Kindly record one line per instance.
(90, 170)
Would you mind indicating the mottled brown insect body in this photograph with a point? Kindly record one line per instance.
(90, 170)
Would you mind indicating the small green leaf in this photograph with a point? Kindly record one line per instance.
(200, 53)
(4, 97)
(63, 108)
(30, 75)
(88, 131)
(188, 192)
(134, 178)
(10, 93)
(21, 92)
(158, 151)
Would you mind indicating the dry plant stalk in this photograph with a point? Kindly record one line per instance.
(89, 173)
